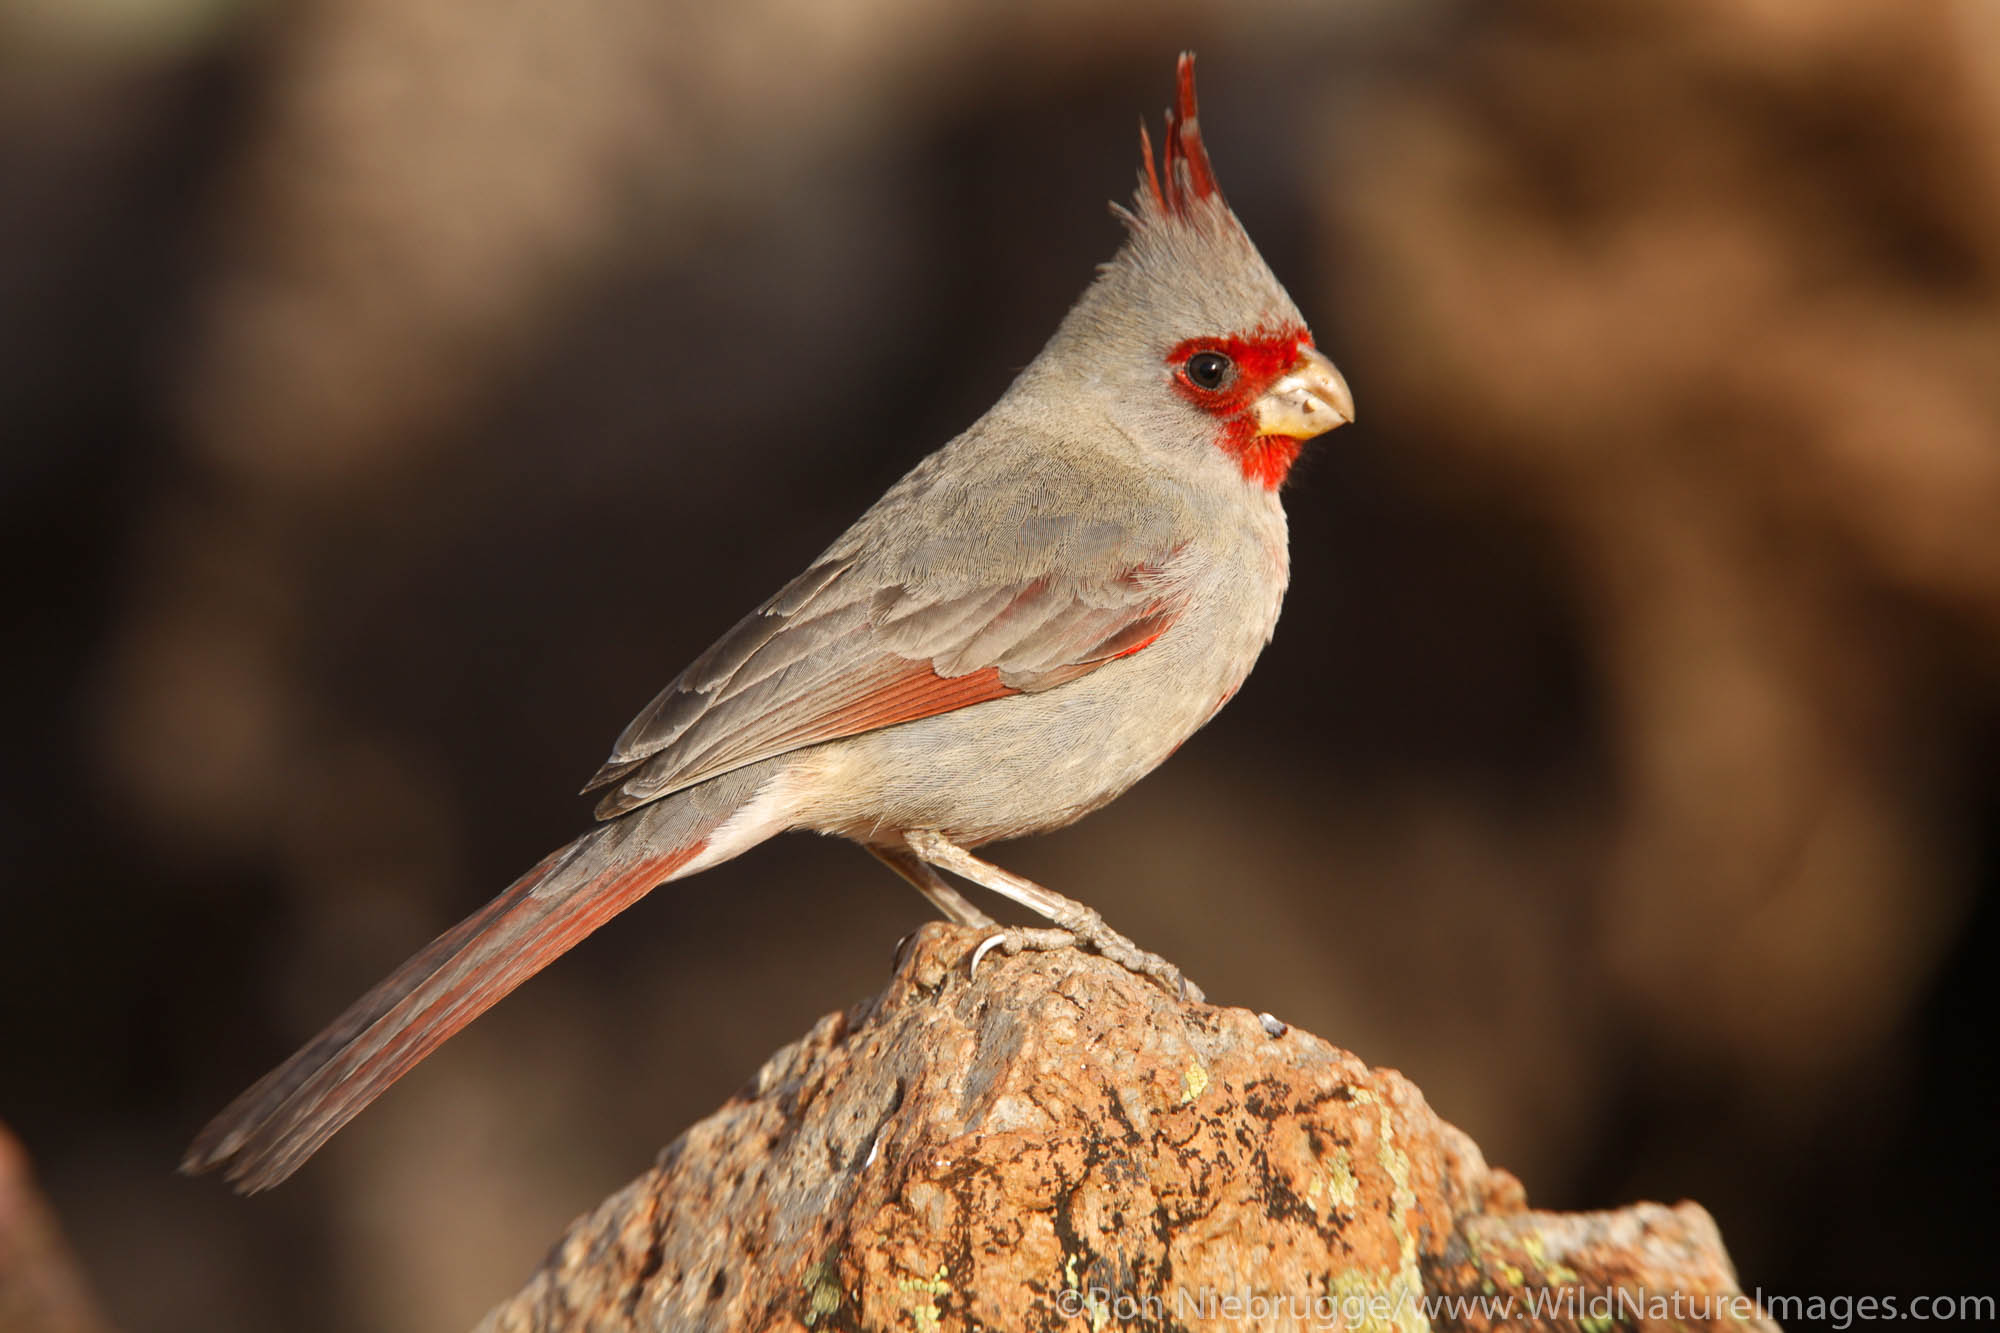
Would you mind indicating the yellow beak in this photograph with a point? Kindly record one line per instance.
(1309, 399)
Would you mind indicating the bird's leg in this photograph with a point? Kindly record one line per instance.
(931, 884)
(1067, 915)
(953, 904)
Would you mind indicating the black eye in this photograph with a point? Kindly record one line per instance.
(1208, 370)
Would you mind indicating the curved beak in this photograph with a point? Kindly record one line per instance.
(1307, 400)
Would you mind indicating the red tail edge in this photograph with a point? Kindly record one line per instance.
(266, 1134)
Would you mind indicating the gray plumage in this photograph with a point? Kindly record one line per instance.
(1028, 622)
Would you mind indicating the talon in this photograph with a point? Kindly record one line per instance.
(993, 941)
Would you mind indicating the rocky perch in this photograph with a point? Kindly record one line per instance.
(1056, 1144)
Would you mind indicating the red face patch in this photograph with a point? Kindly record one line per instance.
(1254, 362)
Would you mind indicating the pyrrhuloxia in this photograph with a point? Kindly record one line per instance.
(1026, 624)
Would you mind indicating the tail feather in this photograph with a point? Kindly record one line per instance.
(268, 1133)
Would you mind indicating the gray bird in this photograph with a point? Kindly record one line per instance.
(1024, 626)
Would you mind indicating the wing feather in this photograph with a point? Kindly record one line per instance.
(829, 656)
(945, 595)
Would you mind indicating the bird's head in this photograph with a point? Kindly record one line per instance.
(1186, 340)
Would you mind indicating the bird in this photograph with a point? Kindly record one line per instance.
(1028, 622)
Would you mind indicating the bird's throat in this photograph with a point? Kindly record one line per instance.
(1266, 460)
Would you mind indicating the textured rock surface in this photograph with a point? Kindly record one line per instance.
(1055, 1143)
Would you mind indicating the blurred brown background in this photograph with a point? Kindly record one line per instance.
(395, 395)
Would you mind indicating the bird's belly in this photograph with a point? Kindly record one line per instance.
(1037, 761)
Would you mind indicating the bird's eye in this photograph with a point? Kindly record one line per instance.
(1208, 370)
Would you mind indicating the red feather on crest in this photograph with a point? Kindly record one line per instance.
(1184, 173)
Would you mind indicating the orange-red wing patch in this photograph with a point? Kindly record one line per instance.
(918, 691)
(900, 664)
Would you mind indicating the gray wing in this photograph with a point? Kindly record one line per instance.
(836, 653)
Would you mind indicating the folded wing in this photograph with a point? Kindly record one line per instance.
(835, 654)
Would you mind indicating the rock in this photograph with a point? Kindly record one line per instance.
(1056, 1143)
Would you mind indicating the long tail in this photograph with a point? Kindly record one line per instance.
(267, 1133)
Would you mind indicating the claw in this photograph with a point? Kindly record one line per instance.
(900, 952)
(993, 941)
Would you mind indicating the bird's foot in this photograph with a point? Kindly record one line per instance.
(1095, 934)
(1020, 939)
(1100, 939)
(1074, 923)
